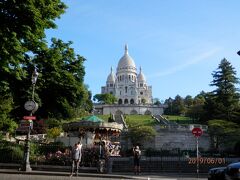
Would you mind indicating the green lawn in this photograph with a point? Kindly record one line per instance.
(144, 120)
(148, 121)
(104, 117)
(180, 119)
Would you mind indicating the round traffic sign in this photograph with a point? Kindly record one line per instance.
(197, 132)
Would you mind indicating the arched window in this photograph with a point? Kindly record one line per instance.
(120, 101)
(125, 101)
(131, 101)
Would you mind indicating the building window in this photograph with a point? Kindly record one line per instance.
(126, 89)
(111, 92)
(141, 93)
(120, 92)
(125, 101)
(120, 101)
(141, 84)
(131, 101)
(111, 85)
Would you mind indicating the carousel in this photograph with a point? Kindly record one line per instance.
(97, 135)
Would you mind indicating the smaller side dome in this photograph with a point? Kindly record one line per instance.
(141, 76)
(111, 77)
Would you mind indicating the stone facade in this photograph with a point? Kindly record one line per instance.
(133, 94)
(126, 85)
(128, 109)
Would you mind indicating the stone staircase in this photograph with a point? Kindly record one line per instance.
(119, 118)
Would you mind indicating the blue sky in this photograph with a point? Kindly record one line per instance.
(178, 43)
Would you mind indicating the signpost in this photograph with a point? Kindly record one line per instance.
(197, 132)
(28, 124)
(29, 117)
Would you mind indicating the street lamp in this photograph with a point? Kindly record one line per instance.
(34, 81)
(32, 107)
(238, 53)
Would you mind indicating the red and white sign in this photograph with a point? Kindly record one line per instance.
(197, 132)
(29, 117)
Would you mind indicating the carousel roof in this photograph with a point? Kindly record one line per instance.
(92, 118)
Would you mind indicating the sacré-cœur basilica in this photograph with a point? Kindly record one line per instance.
(133, 94)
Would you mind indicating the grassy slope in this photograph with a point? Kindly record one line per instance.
(148, 121)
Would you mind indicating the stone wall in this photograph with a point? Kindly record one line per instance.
(128, 109)
(178, 137)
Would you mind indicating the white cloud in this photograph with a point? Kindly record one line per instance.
(194, 60)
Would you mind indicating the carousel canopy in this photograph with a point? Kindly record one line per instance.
(92, 119)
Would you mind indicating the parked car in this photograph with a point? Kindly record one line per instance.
(233, 171)
(217, 173)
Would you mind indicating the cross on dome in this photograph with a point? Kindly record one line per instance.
(126, 49)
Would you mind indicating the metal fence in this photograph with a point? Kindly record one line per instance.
(163, 160)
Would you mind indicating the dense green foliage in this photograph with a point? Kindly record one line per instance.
(140, 128)
(224, 133)
(105, 98)
(223, 102)
(60, 90)
(140, 134)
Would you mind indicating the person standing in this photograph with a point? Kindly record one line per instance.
(136, 159)
(79, 145)
(76, 158)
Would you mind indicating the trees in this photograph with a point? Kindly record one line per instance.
(140, 134)
(105, 98)
(60, 90)
(223, 133)
(223, 102)
(156, 101)
(60, 85)
(175, 106)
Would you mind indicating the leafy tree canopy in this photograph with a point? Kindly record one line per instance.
(224, 100)
(140, 134)
(60, 90)
(223, 133)
(105, 98)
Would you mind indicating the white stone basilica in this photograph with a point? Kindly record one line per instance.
(128, 86)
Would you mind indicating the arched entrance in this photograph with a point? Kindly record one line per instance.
(147, 112)
(125, 101)
(120, 101)
(133, 112)
(131, 101)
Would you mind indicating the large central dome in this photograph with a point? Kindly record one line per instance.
(126, 62)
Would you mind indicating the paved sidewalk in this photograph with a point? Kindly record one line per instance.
(146, 176)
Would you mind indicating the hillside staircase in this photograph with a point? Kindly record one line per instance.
(119, 118)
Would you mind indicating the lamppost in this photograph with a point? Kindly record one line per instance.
(32, 107)
(238, 53)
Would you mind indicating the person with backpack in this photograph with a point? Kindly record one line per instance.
(136, 159)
